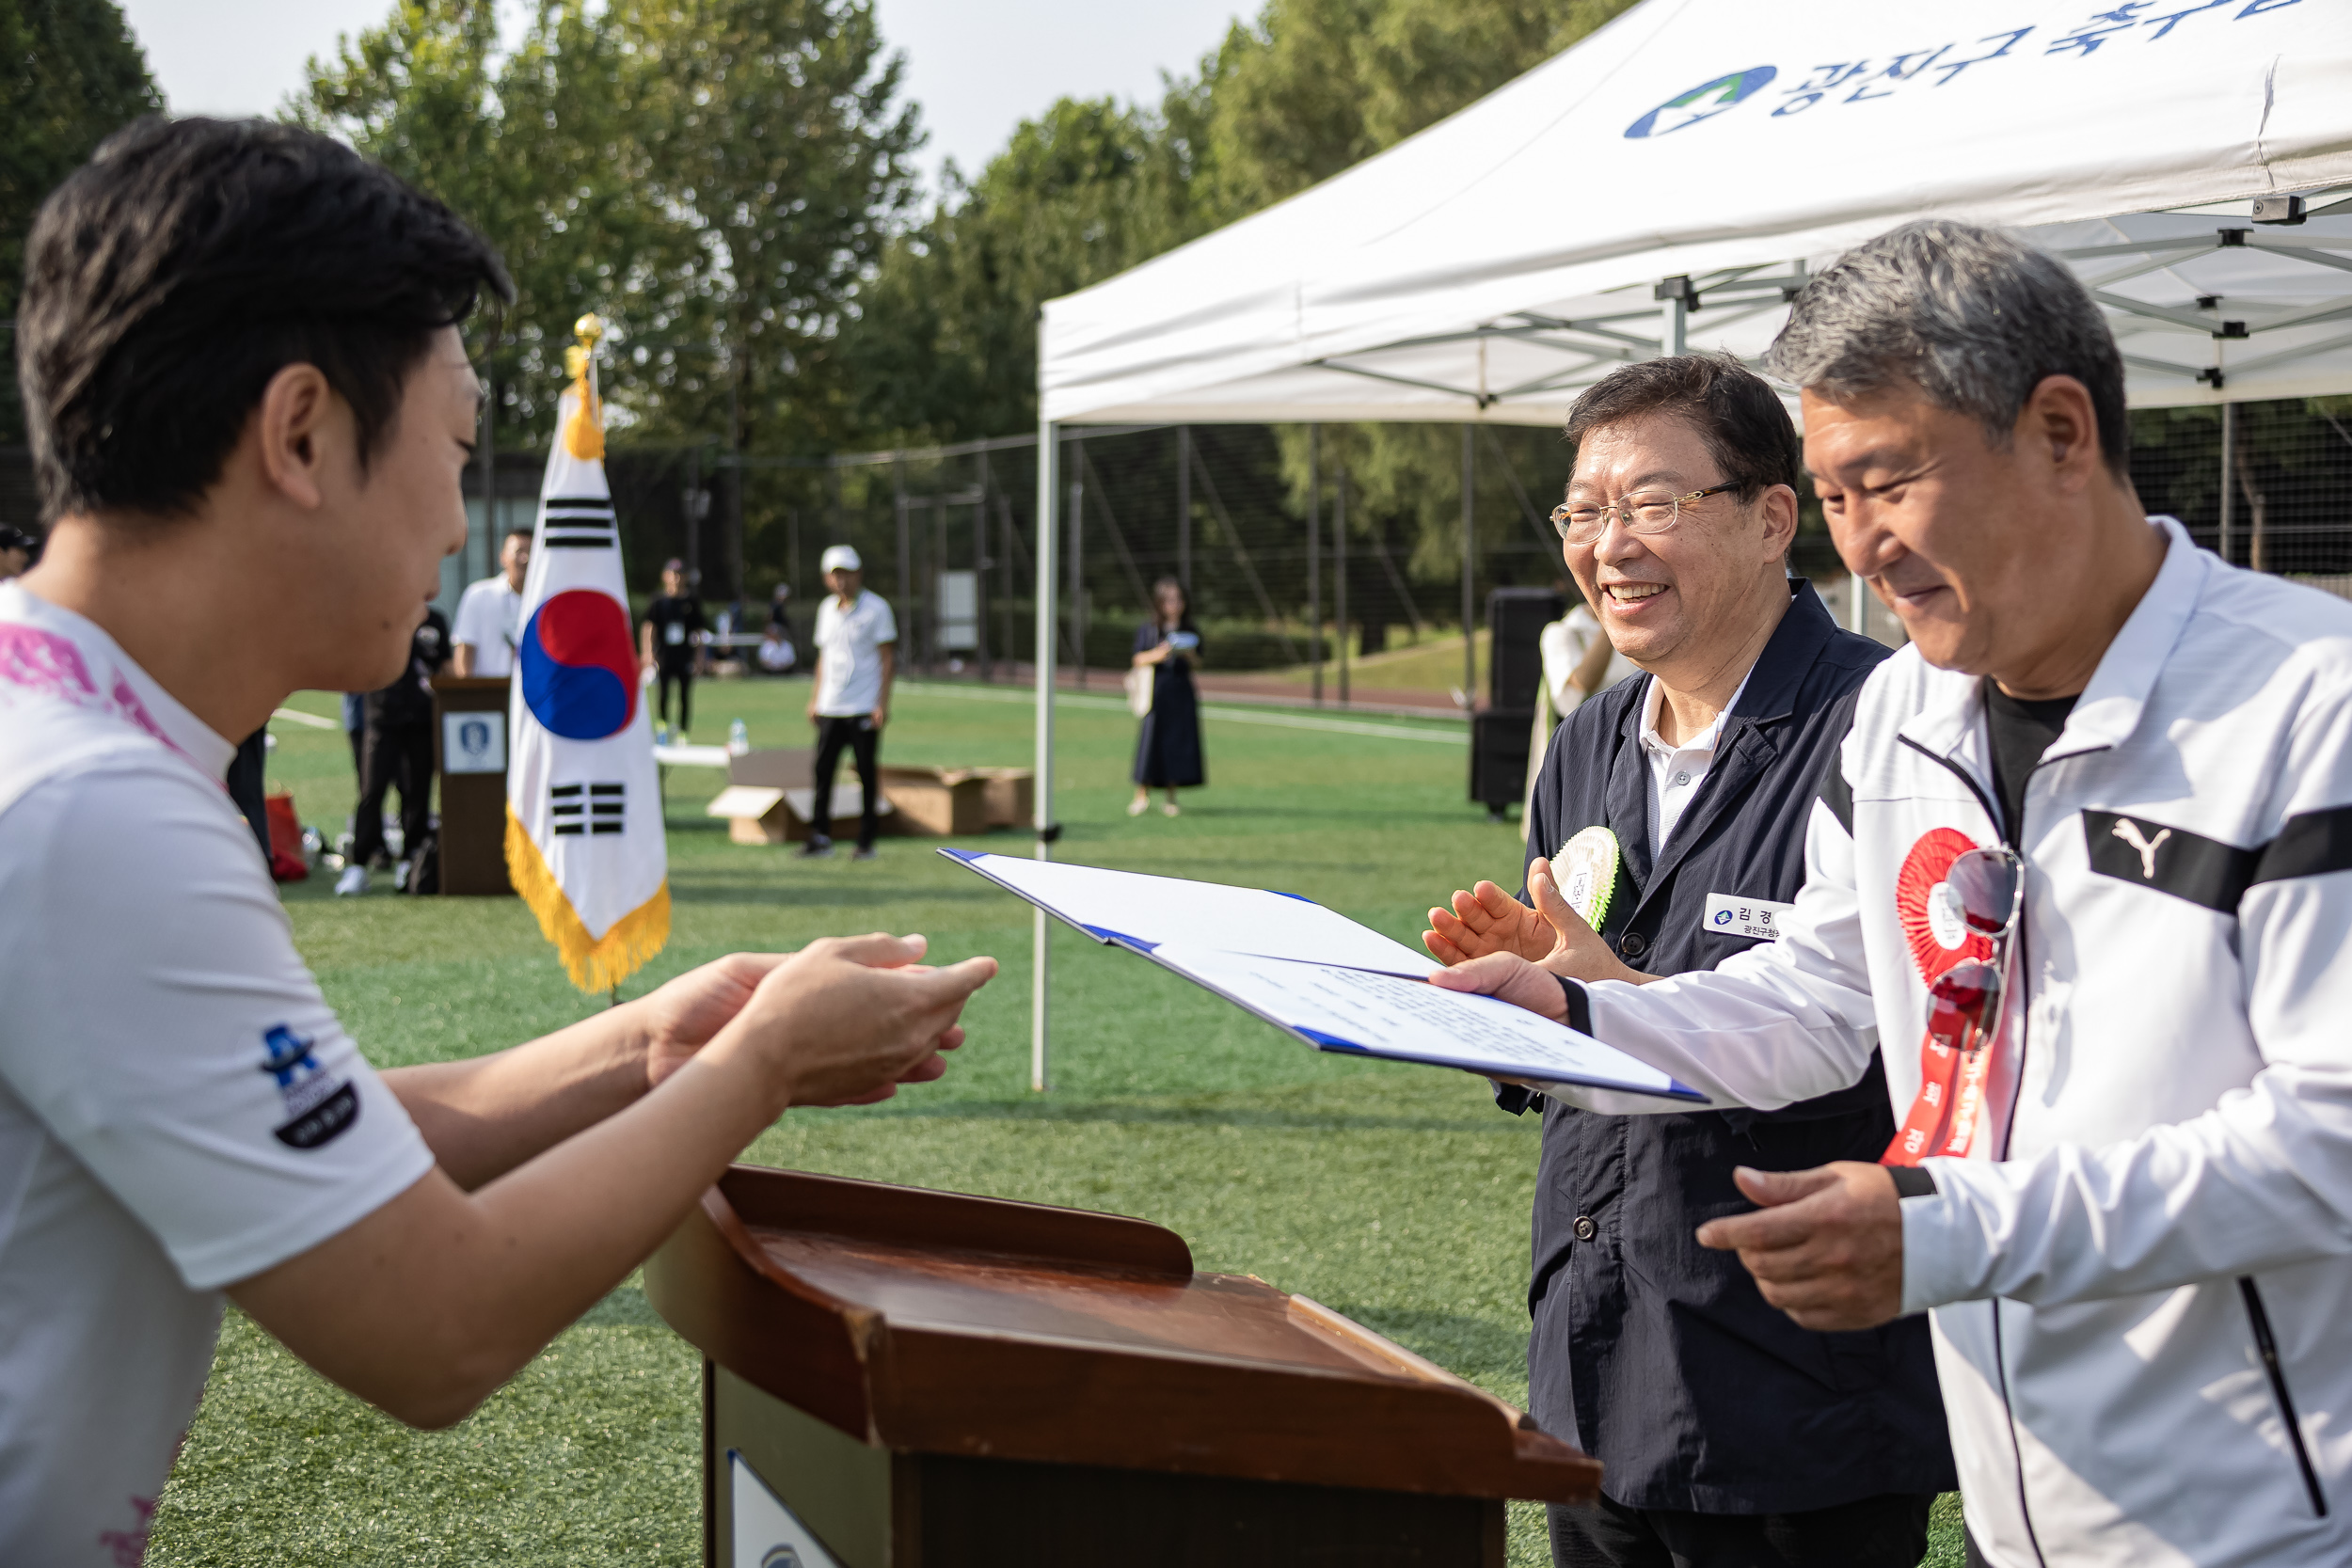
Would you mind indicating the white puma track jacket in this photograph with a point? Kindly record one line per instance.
(2141, 1282)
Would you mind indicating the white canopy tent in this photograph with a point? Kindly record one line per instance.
(1603, 208)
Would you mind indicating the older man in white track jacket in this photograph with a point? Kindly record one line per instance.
(2124, 1187)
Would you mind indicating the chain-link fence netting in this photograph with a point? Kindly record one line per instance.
(2265, 484)
(1277, 529)
(948, 534)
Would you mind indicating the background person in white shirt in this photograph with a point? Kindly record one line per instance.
(490, 614)
(857, 648)
(262, 398)
(1578, 661)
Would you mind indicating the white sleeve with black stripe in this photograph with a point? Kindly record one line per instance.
(1786, 1021)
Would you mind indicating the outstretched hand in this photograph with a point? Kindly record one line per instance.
(1486, 921)
(1826, 1246)
(846, 1019)
(680, 1017)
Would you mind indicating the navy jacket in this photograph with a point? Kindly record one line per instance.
(1652, 1354)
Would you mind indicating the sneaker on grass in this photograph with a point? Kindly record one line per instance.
(817, 847)
(862, 854)
(353, 882)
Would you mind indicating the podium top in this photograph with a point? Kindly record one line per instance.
(934, 1322)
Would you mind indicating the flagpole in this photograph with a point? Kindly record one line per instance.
(1048, 486)
(584, 841)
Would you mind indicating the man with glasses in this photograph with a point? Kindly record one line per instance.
(1729, 1434)
(2082, 871)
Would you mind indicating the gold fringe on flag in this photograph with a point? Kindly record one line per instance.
(596, 964)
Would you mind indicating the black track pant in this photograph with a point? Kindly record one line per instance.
(393, 755)
(858, 734)
(245, 787)
(684, 675)
(1889, 1532)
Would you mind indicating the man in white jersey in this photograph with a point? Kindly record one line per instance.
(490, 613)
(245, 384)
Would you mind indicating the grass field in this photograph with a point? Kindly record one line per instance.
(1432, 663)
(1398, 1195)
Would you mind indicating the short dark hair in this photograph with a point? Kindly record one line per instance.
(518, 531)
(1734, 410)
(189, 261)
(1973, 317)
(1184, 619)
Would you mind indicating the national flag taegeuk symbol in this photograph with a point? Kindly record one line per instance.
(584, 803)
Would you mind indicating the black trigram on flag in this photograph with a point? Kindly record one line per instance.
(578, 522)
(588, 808)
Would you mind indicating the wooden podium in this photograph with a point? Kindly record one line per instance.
(898, 1378)
(470, 743)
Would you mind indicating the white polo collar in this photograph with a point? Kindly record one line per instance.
(1705, 740)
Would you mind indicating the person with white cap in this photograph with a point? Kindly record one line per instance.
(857, 646)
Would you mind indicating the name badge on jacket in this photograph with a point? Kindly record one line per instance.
(1754, 918)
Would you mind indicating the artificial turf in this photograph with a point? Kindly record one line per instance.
(1398, 1195)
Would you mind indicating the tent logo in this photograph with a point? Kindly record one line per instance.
(1720, 94)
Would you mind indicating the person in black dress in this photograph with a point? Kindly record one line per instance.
(1167, 753)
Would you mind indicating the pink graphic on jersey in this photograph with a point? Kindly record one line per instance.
(46, 665)
(128, 704)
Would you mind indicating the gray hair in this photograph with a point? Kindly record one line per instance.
(1973, 317)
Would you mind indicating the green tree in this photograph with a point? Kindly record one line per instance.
(946, 341)
(69, 74)
(539, 151)
(774, 126)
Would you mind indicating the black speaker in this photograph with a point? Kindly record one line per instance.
(1515, 618)
(1499, 741)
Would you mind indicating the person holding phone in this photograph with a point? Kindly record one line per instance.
(1167, 752)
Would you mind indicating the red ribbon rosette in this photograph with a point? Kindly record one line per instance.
(1937, 929)
(1918, 887)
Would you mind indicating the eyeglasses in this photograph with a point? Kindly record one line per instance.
(1641, 514)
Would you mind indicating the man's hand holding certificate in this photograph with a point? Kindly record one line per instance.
(1322, 978)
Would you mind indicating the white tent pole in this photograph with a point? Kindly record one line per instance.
(1048, 483)
(1469, 559)
(1314, 564)
(1673, 333)
(1339, 568)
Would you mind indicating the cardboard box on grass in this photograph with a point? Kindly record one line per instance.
(772, 795)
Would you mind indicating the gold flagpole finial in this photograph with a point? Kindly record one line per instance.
(584, 435)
